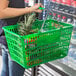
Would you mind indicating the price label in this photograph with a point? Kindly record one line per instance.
(31, 3)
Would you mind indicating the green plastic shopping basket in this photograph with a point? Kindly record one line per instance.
(37, 48)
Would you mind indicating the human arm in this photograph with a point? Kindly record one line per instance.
(7, 12)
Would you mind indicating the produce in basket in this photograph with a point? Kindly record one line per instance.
(25, 27)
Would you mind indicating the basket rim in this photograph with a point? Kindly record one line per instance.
(70, 26)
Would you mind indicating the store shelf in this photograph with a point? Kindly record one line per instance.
(44, 70)
(68, 70)
(73, 42)
(64, 12)
(63, 68)
(63, 4)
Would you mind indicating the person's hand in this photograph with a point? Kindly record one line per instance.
(35, 8)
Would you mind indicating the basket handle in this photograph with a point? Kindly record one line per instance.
(58, 23)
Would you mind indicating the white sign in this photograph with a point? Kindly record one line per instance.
(31, 3)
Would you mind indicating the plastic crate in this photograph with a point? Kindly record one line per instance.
(34, 49)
